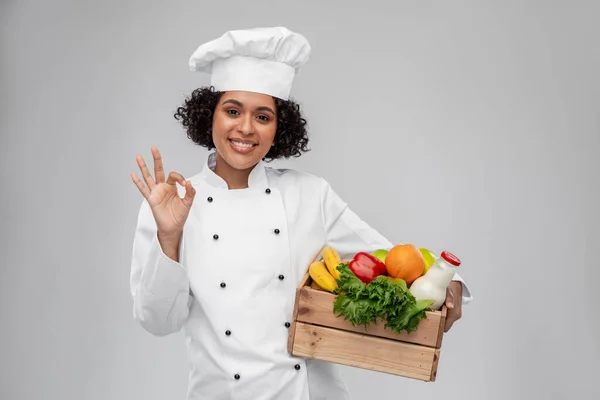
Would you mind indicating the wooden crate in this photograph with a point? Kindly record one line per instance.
(318, 334)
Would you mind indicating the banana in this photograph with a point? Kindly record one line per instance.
(332, 260)
(318, 272)
(314, 285)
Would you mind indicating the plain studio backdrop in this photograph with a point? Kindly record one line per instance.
(466, 126)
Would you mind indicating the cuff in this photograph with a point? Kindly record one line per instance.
(467, 297)
(163, 277)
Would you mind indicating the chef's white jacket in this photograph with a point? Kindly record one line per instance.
(242, 255)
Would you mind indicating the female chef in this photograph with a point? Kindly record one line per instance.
(220, 255)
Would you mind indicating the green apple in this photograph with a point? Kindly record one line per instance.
(380, 254)
(429, 258)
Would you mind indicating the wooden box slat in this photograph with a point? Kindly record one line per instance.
(365, 351)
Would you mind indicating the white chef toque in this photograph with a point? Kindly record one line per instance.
(261, 60)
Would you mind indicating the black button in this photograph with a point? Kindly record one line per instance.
(297, 366)
(268, 191)
(237, 376)
(287, 324)
(228, 332)
(210, 199)
(215, 236)
(277, 231)
(281, 277)
(223, 284)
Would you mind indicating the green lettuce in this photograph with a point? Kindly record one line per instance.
(383, 299)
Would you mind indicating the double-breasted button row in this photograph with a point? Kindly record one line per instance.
(224, 285)
(210, 199)
(277, 231)
(216, 236)
(237, 376)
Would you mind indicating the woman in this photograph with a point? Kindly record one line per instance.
(221, 255)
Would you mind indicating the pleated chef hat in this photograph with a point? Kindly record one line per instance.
(262, 60)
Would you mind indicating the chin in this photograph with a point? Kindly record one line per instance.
(242, 161)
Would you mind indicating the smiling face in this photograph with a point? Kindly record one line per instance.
(244, 126)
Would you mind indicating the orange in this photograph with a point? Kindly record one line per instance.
(406, 262)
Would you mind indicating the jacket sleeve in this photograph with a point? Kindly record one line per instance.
(349, 234)
(159, 285)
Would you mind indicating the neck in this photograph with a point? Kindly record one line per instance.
(235, 178)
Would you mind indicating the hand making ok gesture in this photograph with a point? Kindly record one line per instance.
(170, 211)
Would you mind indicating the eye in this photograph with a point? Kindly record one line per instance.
(264, 118)
(232, 112)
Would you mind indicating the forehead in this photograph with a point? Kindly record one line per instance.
(249, 99)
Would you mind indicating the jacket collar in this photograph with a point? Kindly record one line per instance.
(256, 180)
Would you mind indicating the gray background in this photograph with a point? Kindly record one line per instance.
(467, 126)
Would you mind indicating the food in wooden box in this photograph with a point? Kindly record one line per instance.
(375, 286)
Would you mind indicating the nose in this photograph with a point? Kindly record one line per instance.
(246, 126)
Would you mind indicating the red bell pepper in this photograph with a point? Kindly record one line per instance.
(366, 267)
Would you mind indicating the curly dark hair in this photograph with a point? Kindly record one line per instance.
(196, 115)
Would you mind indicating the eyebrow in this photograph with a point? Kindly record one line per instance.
(239, 104)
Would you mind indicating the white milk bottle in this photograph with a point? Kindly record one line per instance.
(433, 285)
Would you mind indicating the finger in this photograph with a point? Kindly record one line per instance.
(175, 177)
(448, 325)
(450, 319)
(449, 298)
(190, 192)
(138, 182)
(145, 173)
(159, 172)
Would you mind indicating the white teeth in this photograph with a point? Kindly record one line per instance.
(239, 144)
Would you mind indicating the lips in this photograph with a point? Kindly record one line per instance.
(242, 146)
(242, 143)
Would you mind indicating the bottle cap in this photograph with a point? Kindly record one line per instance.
(451, 258)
